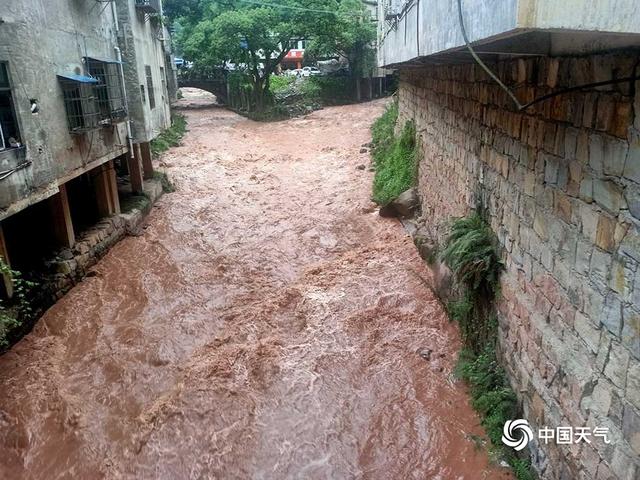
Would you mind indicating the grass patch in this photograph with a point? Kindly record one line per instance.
(167, 186)
(134, 202)
(394, 157)
(171, 136)
(18, 309)
(279, 84)
(471, 253)
(493, 398)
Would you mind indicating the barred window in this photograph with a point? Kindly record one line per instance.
(109, 89)
(150, 92)
(80, 102)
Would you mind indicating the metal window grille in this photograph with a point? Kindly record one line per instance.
(8, 119)
(150, 92)
(109, 90)
(81, 104)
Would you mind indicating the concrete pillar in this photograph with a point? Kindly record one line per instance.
(104, 181)
(113, 185)
(7, 282)
(135, 170)
(61, 215)
(147, 164)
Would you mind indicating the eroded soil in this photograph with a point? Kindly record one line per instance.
(265, 325)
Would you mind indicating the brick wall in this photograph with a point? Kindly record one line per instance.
(561, 184)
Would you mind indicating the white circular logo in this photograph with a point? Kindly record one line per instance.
(517, 434)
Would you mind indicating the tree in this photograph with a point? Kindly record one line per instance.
(191, 10)
(253, 36)
(351, 36)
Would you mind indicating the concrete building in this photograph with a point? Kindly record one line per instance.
(149, 68)
(560, 182)
(64, 115)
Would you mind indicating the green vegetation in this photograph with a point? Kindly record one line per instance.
(253, 37)
(394, 157)
(281, 84)
(471, 253)
(350, 35)
(167, 186)
(256, 37)
(134, 202)
(17, 310)
(291, 96)
(171, 136)
(493, 398)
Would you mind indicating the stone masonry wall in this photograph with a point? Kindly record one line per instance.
(70, 265)
(561, 186)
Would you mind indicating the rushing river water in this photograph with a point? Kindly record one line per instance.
(267, 324)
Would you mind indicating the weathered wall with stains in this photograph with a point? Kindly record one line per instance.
(561, 185)
(40, 39)
(142, 45)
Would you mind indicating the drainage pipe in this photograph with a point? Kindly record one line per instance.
(122, 80)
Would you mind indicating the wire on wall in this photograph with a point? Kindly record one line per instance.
(520, 106)
(481, 63)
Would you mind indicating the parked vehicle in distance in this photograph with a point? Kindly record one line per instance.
(311, 72)
(297, 72)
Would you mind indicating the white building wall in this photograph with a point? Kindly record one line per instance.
(426, 27)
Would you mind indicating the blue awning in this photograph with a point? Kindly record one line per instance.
(72, 77)
(104, 60)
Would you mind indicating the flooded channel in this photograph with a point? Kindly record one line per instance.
(267, 324)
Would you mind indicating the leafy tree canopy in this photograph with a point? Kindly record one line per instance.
(255, 35)
(350, 35)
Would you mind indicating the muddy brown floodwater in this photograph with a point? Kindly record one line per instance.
(265, 325)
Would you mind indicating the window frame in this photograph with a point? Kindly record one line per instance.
(110, 90)
(81, 105)
(150, 90)
(163, 81)
(8, 88)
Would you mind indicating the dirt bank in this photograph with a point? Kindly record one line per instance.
(266, 325)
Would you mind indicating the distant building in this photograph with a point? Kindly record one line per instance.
(295, 56)
(73, 74)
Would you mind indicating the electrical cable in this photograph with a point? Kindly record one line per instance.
(7, 173)
(481, 63)
(520, 106)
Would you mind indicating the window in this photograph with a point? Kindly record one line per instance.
(142, 94)
(9, 134)
(80, 101)
(150, 92)
(109, 89)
